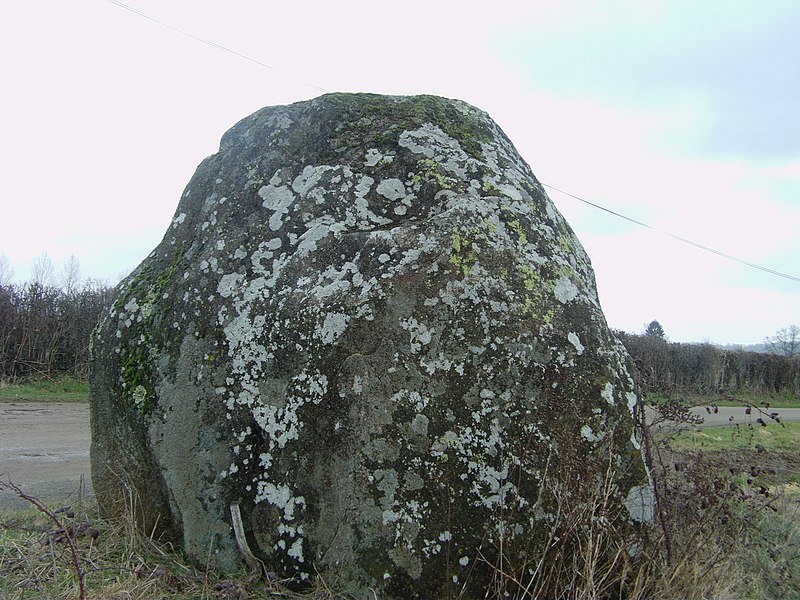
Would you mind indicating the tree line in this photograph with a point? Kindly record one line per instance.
(44, 330)
(45, 324)
(706, 369)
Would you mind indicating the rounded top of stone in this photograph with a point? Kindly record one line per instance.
(345, 119)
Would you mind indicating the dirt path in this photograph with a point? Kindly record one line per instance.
(44, 449)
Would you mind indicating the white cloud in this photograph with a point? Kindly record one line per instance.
(105, 120)
(725, 67)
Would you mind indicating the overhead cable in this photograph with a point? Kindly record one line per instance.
(210, 43)
(593, 204)
(677, 237)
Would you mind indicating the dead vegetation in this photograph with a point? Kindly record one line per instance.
(726, 525)
(69, 552)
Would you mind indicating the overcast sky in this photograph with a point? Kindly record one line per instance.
(680, 114)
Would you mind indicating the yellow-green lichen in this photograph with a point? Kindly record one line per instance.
(567, 244)
(534, 295)
(463, 257)
(139, 397)
(135, 377)
(516, 226)
(146, 290)
(489, 188)
(531, 279)
(430, 170)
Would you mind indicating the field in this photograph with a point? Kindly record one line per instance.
(775, 438)
(763, 465)
(62, 389)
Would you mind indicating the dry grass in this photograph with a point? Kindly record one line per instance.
(708, 558)
(727, 526)
(733, 551)
(117, 562)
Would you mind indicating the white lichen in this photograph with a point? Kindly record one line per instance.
(277, 199)
(332, 328)
(575, 341)
(640, 503)
(565, 291)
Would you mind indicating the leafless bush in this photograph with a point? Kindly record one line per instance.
(44, 330)
(705, 369)
(708, 506)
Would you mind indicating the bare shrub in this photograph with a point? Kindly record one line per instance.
(709, 508)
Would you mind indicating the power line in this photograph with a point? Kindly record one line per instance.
(210, 43)
(597, 206)
(677, 237)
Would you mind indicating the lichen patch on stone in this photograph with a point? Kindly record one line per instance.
(395, 340)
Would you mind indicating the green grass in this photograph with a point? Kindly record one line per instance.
(783, 400)
(777, 437)
(63, 389)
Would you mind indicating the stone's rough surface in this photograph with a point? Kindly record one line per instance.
(369, 326)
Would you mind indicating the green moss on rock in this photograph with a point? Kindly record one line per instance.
(369, 328)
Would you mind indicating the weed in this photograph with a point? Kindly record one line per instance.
(726, 526)
(113, 560)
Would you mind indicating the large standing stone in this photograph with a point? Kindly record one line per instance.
(368, 328)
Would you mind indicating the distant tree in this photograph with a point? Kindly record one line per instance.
(42, 270)
(654, 329)
(70, 276)
(6, 271)
(785, 342)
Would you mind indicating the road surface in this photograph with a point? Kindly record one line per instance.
(728, 415)
(44, 447)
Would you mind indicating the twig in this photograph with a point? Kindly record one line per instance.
(39, 505)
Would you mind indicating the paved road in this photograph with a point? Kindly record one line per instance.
(44, 448)
(725, 415)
